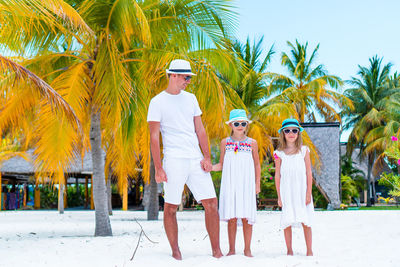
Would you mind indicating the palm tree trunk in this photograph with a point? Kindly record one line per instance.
(61, 197)
(152, 212)
(103, 226)
(109, 195)
(369, 181)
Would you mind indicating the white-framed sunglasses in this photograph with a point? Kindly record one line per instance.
(237, 124)
(287, 131)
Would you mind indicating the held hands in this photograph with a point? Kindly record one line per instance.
(161, 176)
(214, 168)
(206, 164)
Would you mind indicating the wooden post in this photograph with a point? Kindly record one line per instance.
(65, 192)
(36, 204)
(125, 195)
(25, 195)
(77, 185)
(91, 193)
(86, 192)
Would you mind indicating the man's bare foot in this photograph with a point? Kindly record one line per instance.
(290, 252)
(310, 253)
(217, 254)
(177, 255)
(231, 252)
(248, 253)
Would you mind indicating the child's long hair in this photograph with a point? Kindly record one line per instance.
(282, 142)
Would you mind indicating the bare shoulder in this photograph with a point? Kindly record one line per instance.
(223, 141)
(253, 141)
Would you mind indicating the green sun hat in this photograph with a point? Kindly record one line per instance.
(290, 123)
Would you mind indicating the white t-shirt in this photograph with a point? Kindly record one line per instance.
(176, 116)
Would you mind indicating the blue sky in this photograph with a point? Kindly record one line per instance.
(349, 32)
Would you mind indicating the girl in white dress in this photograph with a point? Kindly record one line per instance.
(240, 181)
(293, 180)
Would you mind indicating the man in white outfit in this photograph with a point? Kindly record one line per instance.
(176, 113)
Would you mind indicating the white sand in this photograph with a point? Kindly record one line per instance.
(341, 238)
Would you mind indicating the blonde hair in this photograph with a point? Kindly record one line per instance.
(282, 144)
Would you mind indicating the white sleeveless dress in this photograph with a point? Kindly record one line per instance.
(237, 198)
(293, 188)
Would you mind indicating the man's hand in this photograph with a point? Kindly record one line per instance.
(308, 199)
(206, 164)
(161, 176)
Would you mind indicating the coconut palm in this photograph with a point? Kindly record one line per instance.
(250, 83)
(202, 43)
(309, 89)
(78, 47)
(374, 101)
(108, 58)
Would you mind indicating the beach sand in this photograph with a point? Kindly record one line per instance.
(340, 238)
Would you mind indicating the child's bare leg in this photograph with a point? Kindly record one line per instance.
(288, 239)
(232, 228)
(247, 232)
(308, 238)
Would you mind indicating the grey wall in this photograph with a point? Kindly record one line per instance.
(325, 137)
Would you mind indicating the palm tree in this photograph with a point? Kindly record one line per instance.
(251, 87)
(108, 58)
(203, 44)
(80, 48)
(374, 101)
(307, 87)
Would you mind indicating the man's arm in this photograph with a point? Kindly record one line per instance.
(154, 127)
(203, 141)
(218, 167)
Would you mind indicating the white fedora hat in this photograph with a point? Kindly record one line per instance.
(180, 66)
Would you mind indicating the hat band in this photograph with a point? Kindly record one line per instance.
(239, 119)
(290, 123)
(180, 70)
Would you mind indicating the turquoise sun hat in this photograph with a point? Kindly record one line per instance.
(290, 123)
(238, 115)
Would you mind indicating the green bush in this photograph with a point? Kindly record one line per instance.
(349, 189)
(318, 198)
(75, 198)
(392, 182)
(267, 182)
(48, 197)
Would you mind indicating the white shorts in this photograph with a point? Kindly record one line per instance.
(181, 171)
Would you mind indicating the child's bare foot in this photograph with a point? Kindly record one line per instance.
(310, 253)
(290, 252)
(231, 252)
(217, 254)
(248, 253)
(176, 254)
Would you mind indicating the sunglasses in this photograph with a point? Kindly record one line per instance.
(187, 78)
(287, 131)
(236, 124)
